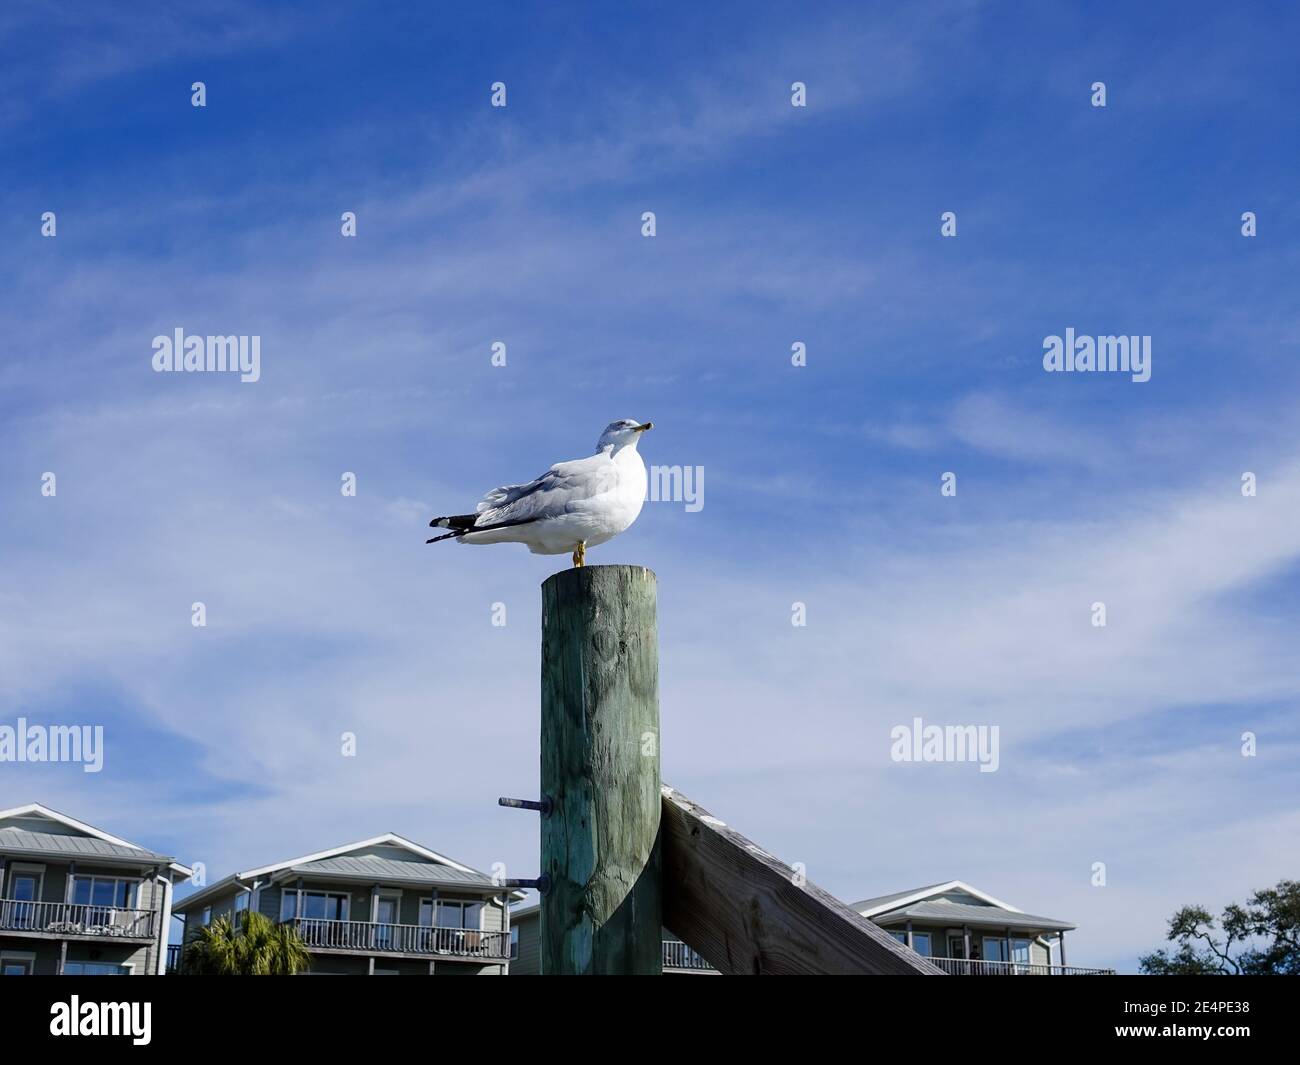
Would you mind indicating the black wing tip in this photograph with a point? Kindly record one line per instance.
(463, 522)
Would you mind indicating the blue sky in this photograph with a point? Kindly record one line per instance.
(775, 224)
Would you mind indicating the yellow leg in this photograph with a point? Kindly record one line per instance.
(580, 555)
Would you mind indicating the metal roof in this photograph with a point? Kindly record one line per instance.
(380, 869)
(52, 843)
(208, 891)
(957, 913)
(424, 867)
(880, 900)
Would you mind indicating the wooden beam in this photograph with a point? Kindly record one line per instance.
(602, 912)
(745, 911)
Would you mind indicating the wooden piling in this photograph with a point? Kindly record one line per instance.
(603, 910)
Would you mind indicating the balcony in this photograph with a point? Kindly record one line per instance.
(421, 941)
(73, 920)
(962, 967)
(677, 955)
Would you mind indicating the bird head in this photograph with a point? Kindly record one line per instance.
(623, 433)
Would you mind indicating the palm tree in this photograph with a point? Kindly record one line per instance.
(259, 947)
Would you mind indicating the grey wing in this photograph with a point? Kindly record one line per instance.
(561, 489)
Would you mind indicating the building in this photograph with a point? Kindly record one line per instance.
(968, 932)
(380, 907)
(78, 901)
(679, 959)
(963, 930)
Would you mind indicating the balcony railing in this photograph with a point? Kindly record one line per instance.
(962, 967)
(677, 955)
(369, 937)
(74, 919)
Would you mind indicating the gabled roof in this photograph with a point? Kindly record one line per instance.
(88, 842)
(73, 846)
(388, 839)
(340, 864)
(884, 903)
(957, 913)
(368, 868)
(863, 905)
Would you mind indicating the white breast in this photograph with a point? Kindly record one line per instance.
(629, 495)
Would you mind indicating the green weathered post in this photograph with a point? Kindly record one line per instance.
(603, 910)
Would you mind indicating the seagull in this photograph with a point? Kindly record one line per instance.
(572, 506)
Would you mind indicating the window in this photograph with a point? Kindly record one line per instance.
(514, 943)
(241, 904)
(920, 941)
(324, 906)
(426, 913)
(25, 887)
(95, 968)
(206, 919)
(105, 891)
(453, 914)
(17, 963)
(288, 905)
(996, 950)
(388, 912)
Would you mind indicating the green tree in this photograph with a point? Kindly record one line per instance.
(259, 947)
(1261, 938)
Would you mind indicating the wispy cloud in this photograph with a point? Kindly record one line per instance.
(329, 615)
